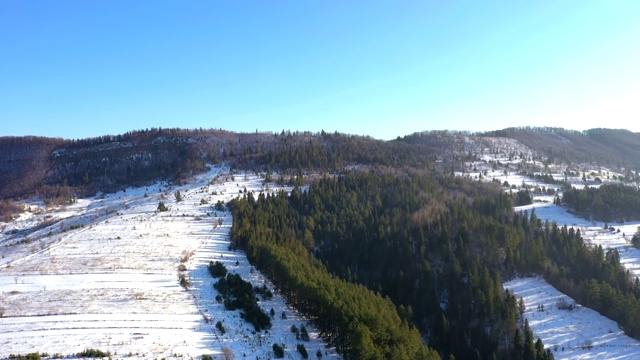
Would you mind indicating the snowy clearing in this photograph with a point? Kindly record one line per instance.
(570, 333)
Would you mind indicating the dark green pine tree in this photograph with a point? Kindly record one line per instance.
(549, 355)
(540, 353)
(529, 346)
(518, 346)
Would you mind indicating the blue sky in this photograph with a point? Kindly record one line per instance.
(78, 69)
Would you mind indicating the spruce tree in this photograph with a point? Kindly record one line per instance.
(529, 347)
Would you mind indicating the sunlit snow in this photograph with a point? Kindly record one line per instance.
(103, 273)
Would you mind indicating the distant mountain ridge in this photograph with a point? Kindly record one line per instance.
(31, 166)
(615, 148)
(612, 147)
(52, 167)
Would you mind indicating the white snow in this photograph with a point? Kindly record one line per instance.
(103, 274)
(567, 333)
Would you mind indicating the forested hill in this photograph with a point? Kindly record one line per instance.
(604, 147)
(387, 251)
(609, 202)
(58, 168)
(55, 168)
(437, 246)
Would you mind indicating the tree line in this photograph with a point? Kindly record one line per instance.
(609, 202)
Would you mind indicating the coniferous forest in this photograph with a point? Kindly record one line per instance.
(609, 202)
(420, 246)
(432, 251)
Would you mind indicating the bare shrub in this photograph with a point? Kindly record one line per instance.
(186, 255)
(207, 318)
(562, 304)
(587, 344)
(139, 295)
(227, 353)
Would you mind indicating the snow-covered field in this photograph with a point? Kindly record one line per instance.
(569, 334)
(103, 273)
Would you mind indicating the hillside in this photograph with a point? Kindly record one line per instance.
(415, 237)
(107, 273)
(55, 167)
(619, 149)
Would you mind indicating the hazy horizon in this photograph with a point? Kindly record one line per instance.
(314, 132)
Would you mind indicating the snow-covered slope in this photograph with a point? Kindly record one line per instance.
(581, 333)
(104, 273)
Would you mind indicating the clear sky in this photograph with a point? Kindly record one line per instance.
(78, 69)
